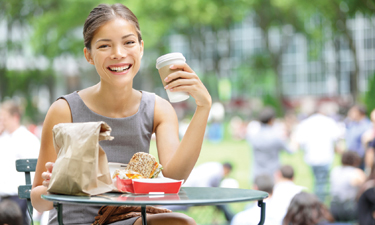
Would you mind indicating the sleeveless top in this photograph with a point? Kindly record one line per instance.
(341, 188)
(131, 134)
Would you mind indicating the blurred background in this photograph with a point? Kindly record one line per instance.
(288, 54)
(247, 52)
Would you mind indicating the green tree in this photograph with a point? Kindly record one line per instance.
(335, 15)
(370, 94)
(286, 18)
(16, 16)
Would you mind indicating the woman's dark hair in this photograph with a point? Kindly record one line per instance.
(104, 13)
(264, 182)
(266, 115)
(287, 171)
(10, 213)
(306, 209)
(361, 109)
(350, 158)
(12, 108)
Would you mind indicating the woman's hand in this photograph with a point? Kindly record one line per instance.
(47, 175)
(186, 80)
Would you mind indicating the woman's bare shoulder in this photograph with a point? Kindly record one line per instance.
(163, 111)
(163, 107)
(162, 103)
(59, 112)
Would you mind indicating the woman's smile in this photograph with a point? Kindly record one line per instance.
(120, 68)
(116, 52)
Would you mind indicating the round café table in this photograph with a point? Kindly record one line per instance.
(192, 196)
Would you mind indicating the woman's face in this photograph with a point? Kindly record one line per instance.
(115, 52)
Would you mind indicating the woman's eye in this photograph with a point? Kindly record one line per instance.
(103, 46)
(130, 42)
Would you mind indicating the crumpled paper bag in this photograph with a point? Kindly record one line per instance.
(81, 167)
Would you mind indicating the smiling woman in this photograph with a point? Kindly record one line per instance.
(114, 45)
(115, 49)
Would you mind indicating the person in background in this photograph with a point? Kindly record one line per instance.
(285, 189)
(2, 128)
(366, 207)
(367, 138)
(209, 174)
(267, 143)
(345, 183)
(317, 136)
(10, 213)
(3, 132)
(306, 209)
(19, 144)
(251, 216)
(356, 126)
(370, 180)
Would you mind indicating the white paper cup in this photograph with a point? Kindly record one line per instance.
(162, 64)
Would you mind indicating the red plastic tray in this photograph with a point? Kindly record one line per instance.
(149, 186)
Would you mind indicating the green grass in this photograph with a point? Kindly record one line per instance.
(239, 154)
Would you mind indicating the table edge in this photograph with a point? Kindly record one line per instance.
(167, 202)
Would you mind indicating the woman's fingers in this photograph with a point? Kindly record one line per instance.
(49, 166)
(46, 183)
(186, 80)
(46, 177)
(180, 74)
(178, 82)
(184, 67)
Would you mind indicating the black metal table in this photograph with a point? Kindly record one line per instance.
(187, 196)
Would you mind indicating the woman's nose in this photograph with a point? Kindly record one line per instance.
(118, 52)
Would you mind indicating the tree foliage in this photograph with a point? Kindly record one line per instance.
(370, 94)
(54, 29)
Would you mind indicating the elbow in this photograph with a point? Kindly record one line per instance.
(175, 176)
(37, 202)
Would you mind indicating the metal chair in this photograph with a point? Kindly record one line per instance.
(26, 166)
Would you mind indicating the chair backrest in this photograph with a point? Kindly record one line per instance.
(26, 166)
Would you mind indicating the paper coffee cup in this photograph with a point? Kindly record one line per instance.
(162, 64)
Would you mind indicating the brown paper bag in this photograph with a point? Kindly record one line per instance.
(81, 167)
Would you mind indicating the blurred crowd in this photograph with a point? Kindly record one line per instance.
(342, 194)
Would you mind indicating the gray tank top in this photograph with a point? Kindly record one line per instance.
(131, 134)
(341, 187)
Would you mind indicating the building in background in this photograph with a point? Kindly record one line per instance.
(328, 75)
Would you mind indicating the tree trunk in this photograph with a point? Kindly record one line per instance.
(353, 49)
(3, 71)
(354, 76)
(275, 62)
(337, 64)
(3, 81)
(51, 85)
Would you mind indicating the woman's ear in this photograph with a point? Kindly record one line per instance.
(88, 55)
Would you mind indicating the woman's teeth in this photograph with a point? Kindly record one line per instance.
(119, 69)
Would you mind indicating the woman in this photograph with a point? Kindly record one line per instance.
(345, 182)
(306, 209)
(113, 44)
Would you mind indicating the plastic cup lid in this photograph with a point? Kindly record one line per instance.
(170, 56)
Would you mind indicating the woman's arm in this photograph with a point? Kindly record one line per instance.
(59, 112)
(178, 159)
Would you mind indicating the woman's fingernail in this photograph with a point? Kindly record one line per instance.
(166, 86)
(171, 66)
(166, 79)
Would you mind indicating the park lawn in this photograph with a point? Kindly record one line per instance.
(239, 154)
